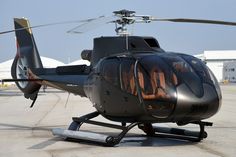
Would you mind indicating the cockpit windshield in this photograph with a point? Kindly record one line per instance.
(156, 80)
(185, 72)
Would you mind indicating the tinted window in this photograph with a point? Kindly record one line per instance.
(199, 68)
(127, 76)
(156, 79)
(110, 71)
(184, 71)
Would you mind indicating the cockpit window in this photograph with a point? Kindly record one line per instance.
(185, 71)
(199, 67)
(181, 67)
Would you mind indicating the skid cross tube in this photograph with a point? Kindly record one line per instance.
(110, 140)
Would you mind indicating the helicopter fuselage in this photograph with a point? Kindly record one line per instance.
(131, 79)
(153, 87)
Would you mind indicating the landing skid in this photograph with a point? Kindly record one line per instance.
(182, 134)
(74, 132)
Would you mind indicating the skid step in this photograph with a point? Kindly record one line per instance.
(81, 135)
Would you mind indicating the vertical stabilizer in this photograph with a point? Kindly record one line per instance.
(27, 57)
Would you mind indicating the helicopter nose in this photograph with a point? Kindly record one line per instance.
(196, 95)
(190, 107)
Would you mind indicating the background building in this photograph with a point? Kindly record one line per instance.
(216, 60)
(5, 67)
(229, 71)
(80, 62)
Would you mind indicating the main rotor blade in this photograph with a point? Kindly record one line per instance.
(93, 24)
(201, 21)
(49, 24)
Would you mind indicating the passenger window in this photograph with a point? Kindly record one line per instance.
(127, 77)
(110, 71)
(144, 81)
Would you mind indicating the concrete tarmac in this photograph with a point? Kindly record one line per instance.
(26, 131)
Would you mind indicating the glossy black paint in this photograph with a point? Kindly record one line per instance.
(193, 97)
(130, 79)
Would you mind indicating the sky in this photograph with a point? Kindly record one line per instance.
(54, 42)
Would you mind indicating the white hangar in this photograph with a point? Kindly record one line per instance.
(222, 63)
(5, 67)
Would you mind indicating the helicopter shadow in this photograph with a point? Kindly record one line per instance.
(44, 144)
(6, 126)
(139, 140)
(130, 140)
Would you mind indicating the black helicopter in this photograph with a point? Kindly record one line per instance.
(130, 80)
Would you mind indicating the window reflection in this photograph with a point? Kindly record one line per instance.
(110, 71)
(127, 77)
(185, 72)
(155, 79)
(199, 67)
(181, 67)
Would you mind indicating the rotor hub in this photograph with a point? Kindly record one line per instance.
(126, 17)
(124, 13)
